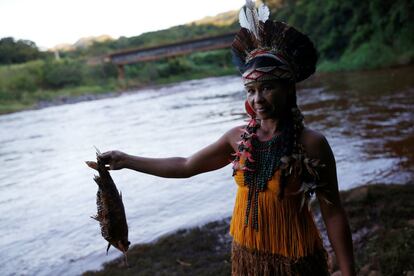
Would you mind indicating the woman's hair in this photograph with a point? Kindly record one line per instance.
(297, 125)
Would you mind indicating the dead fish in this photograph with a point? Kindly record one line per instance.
(111, 213)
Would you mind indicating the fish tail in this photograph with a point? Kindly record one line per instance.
(107, 249)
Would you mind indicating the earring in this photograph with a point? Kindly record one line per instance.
(249, 109)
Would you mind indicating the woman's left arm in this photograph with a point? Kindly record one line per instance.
(333, 213)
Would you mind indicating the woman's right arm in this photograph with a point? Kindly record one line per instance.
(212, 157)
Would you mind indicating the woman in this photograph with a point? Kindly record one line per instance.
(278, 163)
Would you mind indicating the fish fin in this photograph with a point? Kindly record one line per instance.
(107, 249)
(95, 217)
(98, 152)
(183, 263)
(96, 178)
(126, 259)
(92, 165)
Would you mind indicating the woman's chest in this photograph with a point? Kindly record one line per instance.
(292, 188)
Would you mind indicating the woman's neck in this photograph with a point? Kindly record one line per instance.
(268, 128)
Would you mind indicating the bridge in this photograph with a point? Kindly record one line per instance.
(137, 55)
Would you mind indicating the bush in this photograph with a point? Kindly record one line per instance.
(101, 72)
(58, 74)
(175, 66)
(221, 58)
(16, 79)
(369, 55)
(18, 51)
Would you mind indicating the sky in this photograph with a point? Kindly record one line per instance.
(52, 22)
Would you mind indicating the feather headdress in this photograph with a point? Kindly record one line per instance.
(293, 53)
(250, 17)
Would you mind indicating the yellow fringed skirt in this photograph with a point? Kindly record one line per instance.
(287, 241)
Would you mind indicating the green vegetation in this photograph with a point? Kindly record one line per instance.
(353, 35)
(350, 35)
(197, 65)
(12, 51)
(23, 85)
(381, 219)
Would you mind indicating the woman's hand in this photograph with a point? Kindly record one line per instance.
(113, 160)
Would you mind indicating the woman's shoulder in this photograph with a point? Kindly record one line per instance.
(314, 142)
(311, 137)
(234, 135)
(236, 131)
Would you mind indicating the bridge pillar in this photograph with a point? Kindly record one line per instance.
(121, 74)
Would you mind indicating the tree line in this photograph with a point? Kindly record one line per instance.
(353, 34)
(18, 51)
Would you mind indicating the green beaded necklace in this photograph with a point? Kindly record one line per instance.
(266, 156)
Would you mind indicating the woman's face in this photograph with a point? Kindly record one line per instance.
(269, 99)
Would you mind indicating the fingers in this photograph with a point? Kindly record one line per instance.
(110, 159)
(105, 157)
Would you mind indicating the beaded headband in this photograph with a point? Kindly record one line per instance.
(267, 66)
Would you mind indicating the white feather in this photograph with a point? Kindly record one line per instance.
(253, 21)
(249, 18)
(243, 19)
(250, 4)
(263, 13)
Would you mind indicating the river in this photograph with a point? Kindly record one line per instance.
(47, 193)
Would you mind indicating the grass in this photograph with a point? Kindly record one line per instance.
(198, 251)
(387, 211)
(29, 100)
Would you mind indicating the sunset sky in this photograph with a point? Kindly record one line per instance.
(52, 22)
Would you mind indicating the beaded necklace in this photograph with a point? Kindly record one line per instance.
(267, 159)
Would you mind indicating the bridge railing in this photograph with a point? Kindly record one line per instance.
(169, 50)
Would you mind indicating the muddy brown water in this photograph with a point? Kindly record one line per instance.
(374, 107)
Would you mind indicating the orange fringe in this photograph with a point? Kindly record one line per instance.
(245, 262)
(283, 229)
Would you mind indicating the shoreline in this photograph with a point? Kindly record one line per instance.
(383, 242)
(63, 99)
(314, 80)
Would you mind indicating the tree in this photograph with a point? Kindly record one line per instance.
(12, 51)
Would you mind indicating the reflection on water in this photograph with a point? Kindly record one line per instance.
(47, 193)
(372, 112)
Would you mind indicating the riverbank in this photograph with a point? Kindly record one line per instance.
(28, 86)
(381, 219)
(387, 78)
(30, 100)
